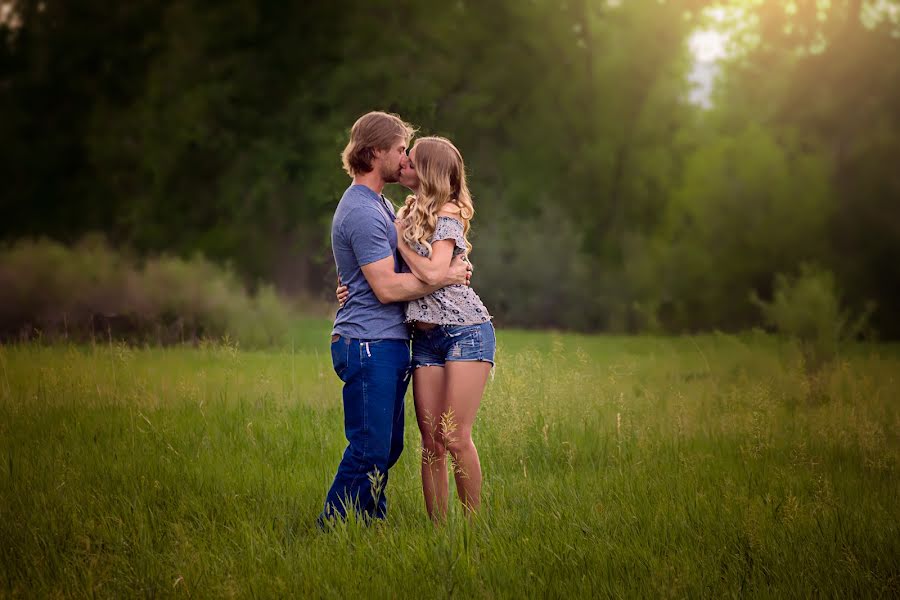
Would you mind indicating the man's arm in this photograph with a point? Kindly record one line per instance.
(401, 287)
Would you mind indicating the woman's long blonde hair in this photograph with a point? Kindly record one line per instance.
(442, 179)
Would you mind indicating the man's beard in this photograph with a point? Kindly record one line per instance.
(390, 176)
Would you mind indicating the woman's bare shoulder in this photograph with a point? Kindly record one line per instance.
(450, 210)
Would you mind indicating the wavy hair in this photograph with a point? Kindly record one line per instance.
(442, 179)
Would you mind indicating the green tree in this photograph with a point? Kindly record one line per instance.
(748, 207)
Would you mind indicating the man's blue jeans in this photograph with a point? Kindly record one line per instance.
(376, 374)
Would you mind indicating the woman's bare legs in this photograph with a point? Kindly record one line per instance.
(465, 381)
(428, 392)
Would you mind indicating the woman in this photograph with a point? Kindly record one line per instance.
(453, 339)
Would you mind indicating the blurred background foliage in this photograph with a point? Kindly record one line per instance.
(608, 196)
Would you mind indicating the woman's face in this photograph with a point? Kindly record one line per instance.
(408, 176)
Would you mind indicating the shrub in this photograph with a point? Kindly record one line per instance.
(807, 307)
(90, 290)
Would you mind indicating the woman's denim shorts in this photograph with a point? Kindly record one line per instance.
(434, 347)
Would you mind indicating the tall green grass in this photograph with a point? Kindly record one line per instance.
(681, 467)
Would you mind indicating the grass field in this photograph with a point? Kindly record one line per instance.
(640, 467)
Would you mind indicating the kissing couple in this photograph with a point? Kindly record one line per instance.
(406, 309)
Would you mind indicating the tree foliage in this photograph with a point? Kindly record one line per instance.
(605, 199)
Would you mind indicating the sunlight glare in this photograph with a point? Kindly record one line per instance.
(708, 45)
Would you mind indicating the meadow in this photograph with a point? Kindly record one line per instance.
(705, 466)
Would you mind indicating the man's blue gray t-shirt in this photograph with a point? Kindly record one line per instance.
(363, 232)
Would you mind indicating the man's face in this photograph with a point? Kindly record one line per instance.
(392, 161)
(408, 176)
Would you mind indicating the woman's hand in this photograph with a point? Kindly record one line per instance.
(342, 292)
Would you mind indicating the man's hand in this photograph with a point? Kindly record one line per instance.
(460, 271)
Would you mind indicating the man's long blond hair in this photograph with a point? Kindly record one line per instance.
(373, 131)
(442, 179)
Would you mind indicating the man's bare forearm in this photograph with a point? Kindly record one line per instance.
(403, 287)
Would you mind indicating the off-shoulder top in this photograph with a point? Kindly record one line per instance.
(454, 304)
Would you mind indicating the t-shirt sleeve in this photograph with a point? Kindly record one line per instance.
(366, 232)
(448, 228)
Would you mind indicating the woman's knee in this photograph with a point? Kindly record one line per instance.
(459, 443)
(433, 448)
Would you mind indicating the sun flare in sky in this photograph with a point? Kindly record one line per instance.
(708, 46)
(733, 22)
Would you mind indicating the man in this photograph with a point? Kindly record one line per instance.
(370, 340)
